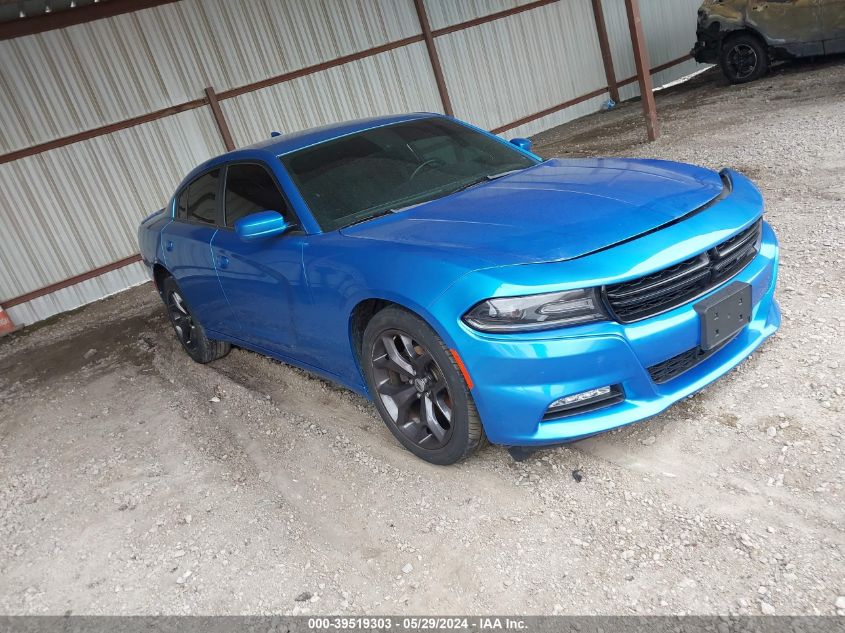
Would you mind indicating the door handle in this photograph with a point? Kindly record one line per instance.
(169, 245)
(222, 261)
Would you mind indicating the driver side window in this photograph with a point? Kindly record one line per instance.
(250, 188)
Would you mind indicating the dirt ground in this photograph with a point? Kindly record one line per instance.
(133, 481)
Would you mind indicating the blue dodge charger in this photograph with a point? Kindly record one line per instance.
(472, 290)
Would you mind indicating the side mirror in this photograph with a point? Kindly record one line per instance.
(522, 143)
(260, 226)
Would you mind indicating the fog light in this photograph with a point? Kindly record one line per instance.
(580, 397)
(585, 401)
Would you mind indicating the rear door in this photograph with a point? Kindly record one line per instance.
(262, 280)
(186, 245)
(833, 26)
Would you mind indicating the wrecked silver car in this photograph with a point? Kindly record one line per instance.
(745, 36)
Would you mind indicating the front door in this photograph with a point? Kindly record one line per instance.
(794, 23)
(263, 280)
(833, 26)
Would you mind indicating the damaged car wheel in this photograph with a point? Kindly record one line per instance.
(744, 58)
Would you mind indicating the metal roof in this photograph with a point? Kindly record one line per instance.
(21, 9)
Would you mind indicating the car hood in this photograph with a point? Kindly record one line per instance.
(558, 210)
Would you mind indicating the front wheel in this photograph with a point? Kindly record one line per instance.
(418, 388)
(744, 58)
(188, 329)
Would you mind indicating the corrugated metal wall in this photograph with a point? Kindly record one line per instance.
(505, 70)
(71, 209)
(380, 84)
(669, 27)
(74, 79)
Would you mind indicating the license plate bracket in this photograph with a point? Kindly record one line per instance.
(724, 313)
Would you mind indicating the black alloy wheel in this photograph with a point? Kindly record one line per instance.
(182, 320)
(744, 58)
(188, 329)
(418, 388)
(412, 389)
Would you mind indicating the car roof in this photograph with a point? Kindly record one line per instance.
(286, 143)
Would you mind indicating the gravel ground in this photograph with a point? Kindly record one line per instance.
(133, 481)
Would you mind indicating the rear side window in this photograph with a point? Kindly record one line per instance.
(182, 204)
(202, 198)
(251, 188)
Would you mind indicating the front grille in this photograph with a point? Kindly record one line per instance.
(677, 365)
(668, 288)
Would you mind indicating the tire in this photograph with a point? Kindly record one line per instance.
(188, 329)
(743, 58)
(418, 388)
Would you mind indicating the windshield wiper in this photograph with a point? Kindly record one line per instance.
(487, 178)
(382, 213)
(378, 214)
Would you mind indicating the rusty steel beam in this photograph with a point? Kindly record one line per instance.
(433, 57)
(70, 17)
(657, 69)
(310, 70)
(590, 95)
(100, 131)
(548, 111)
(219, 119)
(59, 285)
(606, 53)
(635, 25)
(460, 26)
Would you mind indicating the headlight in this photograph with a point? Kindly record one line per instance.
(536, 312)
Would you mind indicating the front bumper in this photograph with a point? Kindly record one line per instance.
(517, 377)
(707, 45)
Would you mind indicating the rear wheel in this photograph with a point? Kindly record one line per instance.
(744, 58)
(418, 388)
(188, 329)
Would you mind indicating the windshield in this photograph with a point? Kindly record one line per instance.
(363, 175)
